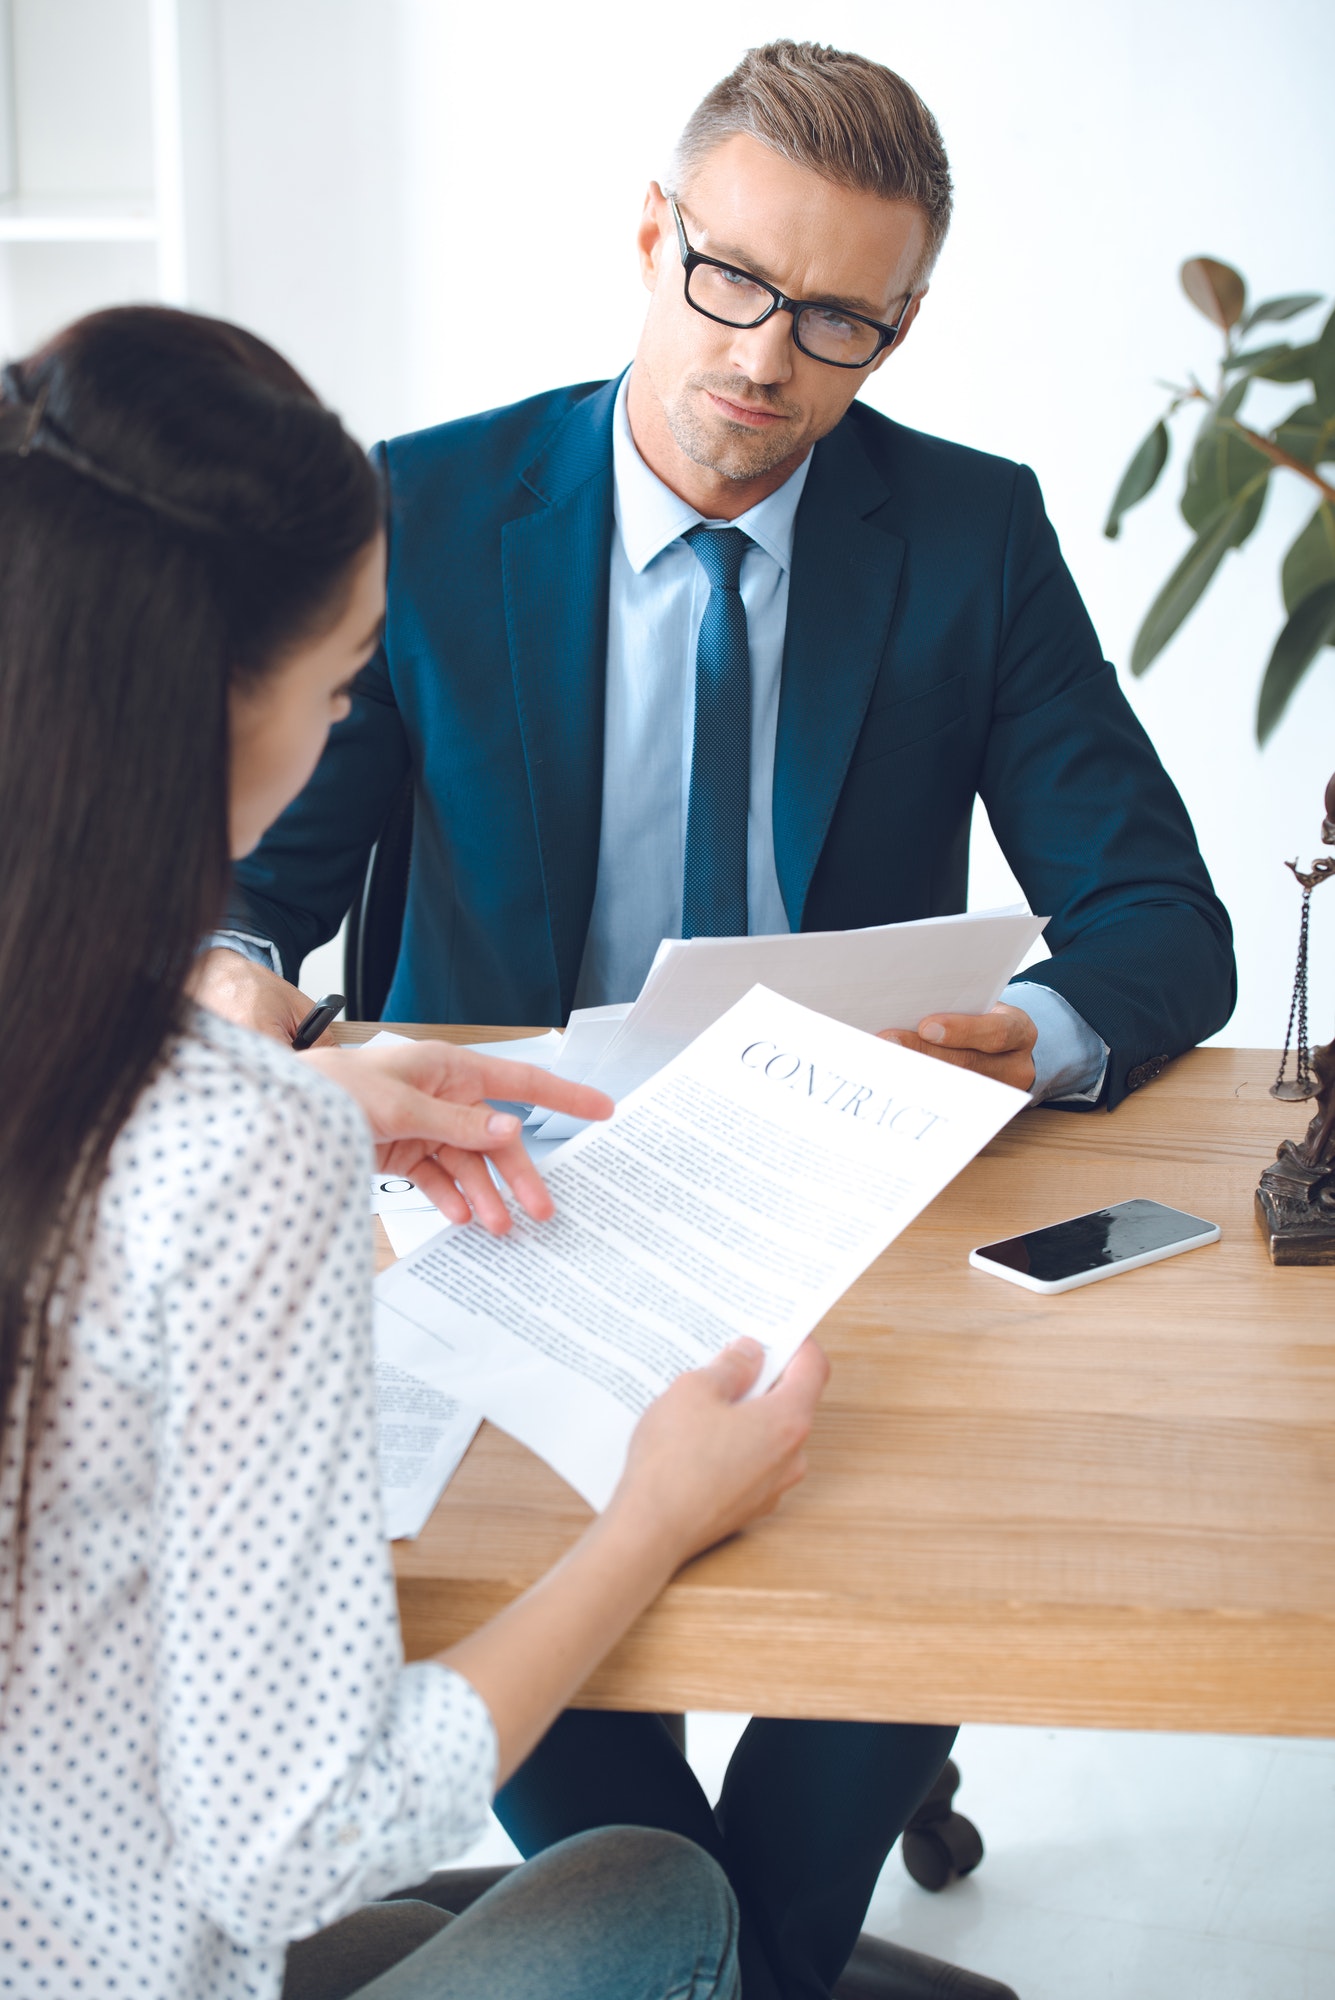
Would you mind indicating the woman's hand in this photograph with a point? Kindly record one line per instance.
(426, 1105)
(703, 1462)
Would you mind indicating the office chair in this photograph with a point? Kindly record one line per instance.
(375, 921)
(938, 1845)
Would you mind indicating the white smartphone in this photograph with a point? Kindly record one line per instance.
(1096, 1245)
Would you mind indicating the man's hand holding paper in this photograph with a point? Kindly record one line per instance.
(998, 1044)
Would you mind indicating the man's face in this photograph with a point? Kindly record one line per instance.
(744, 402)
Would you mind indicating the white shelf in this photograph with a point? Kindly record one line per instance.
(72, 219)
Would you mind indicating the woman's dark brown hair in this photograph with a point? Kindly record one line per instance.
(176, 511)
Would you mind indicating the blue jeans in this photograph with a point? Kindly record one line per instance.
(808, 1813)
(621, 1914)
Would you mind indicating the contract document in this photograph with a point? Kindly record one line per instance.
(886, 977)
(740, 1191)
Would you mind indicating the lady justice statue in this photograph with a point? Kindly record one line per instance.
(1295, 1202)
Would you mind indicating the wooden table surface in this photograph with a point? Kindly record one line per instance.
(1114, 1507)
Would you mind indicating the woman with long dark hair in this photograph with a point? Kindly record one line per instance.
(209, 1744)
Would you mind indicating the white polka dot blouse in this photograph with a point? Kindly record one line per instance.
(209, 1743)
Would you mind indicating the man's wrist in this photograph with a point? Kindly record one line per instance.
(1070, 1058)
(248, 944)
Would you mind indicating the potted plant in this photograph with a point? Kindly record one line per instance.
(1229, 471)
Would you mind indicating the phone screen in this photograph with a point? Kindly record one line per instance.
(1088, 1242)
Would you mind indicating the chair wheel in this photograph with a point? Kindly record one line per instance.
(937, 1856)
(939, 1844)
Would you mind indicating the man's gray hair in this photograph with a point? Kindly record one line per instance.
(850, 120)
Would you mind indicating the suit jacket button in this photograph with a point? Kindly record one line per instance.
(1146, 1072)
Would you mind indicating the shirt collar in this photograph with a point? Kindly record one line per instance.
(650, 516)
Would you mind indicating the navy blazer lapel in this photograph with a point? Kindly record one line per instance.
(556, 564)
(841, 597)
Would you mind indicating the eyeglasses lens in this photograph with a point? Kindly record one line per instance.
(728, 295)
(738, 300)
(829, 336)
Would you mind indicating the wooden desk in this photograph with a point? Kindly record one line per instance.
(1110, 1508)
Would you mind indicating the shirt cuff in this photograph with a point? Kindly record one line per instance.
(448, 1778)
(423, 1795)
(1070, 1059)
(257, 949)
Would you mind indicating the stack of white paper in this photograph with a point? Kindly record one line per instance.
(740, 1191)
(886, 977)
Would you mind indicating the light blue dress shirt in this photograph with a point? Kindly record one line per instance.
(657, 596)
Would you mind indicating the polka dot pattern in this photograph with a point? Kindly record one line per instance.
(209, 1743)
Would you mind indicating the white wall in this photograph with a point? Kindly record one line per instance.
(389, 163)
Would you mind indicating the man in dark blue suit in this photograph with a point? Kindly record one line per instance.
(713, 649)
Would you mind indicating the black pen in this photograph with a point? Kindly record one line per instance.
(321, 1014)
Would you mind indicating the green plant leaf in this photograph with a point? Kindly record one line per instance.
(1323, 368)
(1314, 363)
(1310, 562)
(1230, 526)
(1310, 627)
(1230, 403)
(1257, 360)
(1286, 308)
(1150, 458)
(1215, 289)
(1223, 466)
(1307, 434)
(1295, 366)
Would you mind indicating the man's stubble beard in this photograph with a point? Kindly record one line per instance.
(731, 450)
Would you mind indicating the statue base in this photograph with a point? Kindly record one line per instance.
(1295, 1207)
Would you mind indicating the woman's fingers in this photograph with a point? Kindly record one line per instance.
(439, 1186)
(530, 1190)
(470, 1175)
(403, 1111)
(432, 1092)
(803, 1380)
(524, 1083)
(734, 1370)
(463, 1075)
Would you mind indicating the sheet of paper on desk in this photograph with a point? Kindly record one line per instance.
(885, 977)
(421, 1435)
(410, 1218)
(741, 1190)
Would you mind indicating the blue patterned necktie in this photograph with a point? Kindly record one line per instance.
(713, 900)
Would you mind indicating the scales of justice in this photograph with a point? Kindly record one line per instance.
(1295, 1202)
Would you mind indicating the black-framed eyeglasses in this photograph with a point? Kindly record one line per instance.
(734, 297)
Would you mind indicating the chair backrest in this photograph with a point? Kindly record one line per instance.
(375, 921)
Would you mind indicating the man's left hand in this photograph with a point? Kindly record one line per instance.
(999, 1044)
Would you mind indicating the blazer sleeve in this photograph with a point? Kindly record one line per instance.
(297, 886)
(1093, 826)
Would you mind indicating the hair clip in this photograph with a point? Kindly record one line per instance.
(14, 391)
(54, 444)
(35, 415)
